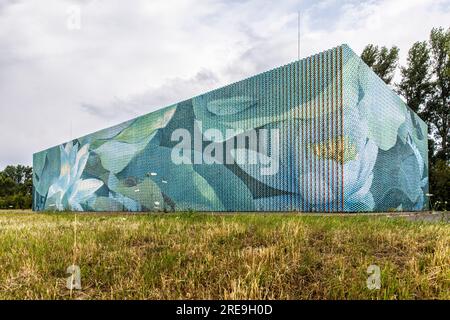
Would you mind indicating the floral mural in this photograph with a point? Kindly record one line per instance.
(345, 142)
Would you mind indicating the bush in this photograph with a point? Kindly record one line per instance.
(440, 181)
(17, 201)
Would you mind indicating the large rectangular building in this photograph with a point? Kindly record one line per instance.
(323, 134)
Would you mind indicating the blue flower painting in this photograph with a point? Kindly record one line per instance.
(323, 134)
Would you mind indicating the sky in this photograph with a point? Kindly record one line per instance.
(68, 68)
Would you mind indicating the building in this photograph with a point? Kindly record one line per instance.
(323, 134)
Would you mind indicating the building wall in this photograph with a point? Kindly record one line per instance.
(340, 135)
(390, 169)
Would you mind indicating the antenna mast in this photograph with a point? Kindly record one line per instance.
(298, 40)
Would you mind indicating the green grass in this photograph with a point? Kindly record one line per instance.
(199, 256)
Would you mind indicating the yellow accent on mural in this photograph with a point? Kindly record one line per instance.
(339, 149)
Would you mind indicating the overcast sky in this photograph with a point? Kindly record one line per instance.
(62, 77)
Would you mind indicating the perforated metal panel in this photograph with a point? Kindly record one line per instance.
(346, 143)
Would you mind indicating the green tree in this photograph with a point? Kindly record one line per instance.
(415, 85)
(438, 106)
(22, 178)
(448, 52)
(440, 181)
(370, 55)
(16, 185)
(383, 61)
(7, 185)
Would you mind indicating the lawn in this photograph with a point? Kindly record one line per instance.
(232, 256)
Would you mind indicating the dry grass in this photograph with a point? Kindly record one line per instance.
(199, 256)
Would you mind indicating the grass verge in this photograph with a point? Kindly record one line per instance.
(200, 256)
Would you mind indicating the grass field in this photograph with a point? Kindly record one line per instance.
(199, 256)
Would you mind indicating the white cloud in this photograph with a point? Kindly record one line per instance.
(131, 58)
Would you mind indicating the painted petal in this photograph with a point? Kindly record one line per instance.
(228, 106)
(393, 109)
(80, 162)
(368, 158)
(114, 161)
(358, 171)
(73, 155)
(39, 163)
(50, 172)
(147, 187)
(53, 202)
(54, 188)
(64, 175)
(146, 126)
(416, 154)
(361, 193)
(68, 148)
(83, 189)
(102, 136)
(365, 204)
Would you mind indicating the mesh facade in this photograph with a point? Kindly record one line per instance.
(345, 143)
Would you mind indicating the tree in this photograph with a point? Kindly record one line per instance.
(7, 185)
(440, 181)
(22, 178)
(16, 185)
(17, 173)
(438, 106)
(370, 55)
(415, 85)
(448, 52)
(383, 61)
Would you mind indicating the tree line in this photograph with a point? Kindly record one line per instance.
(16, 187)
(425, 86)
